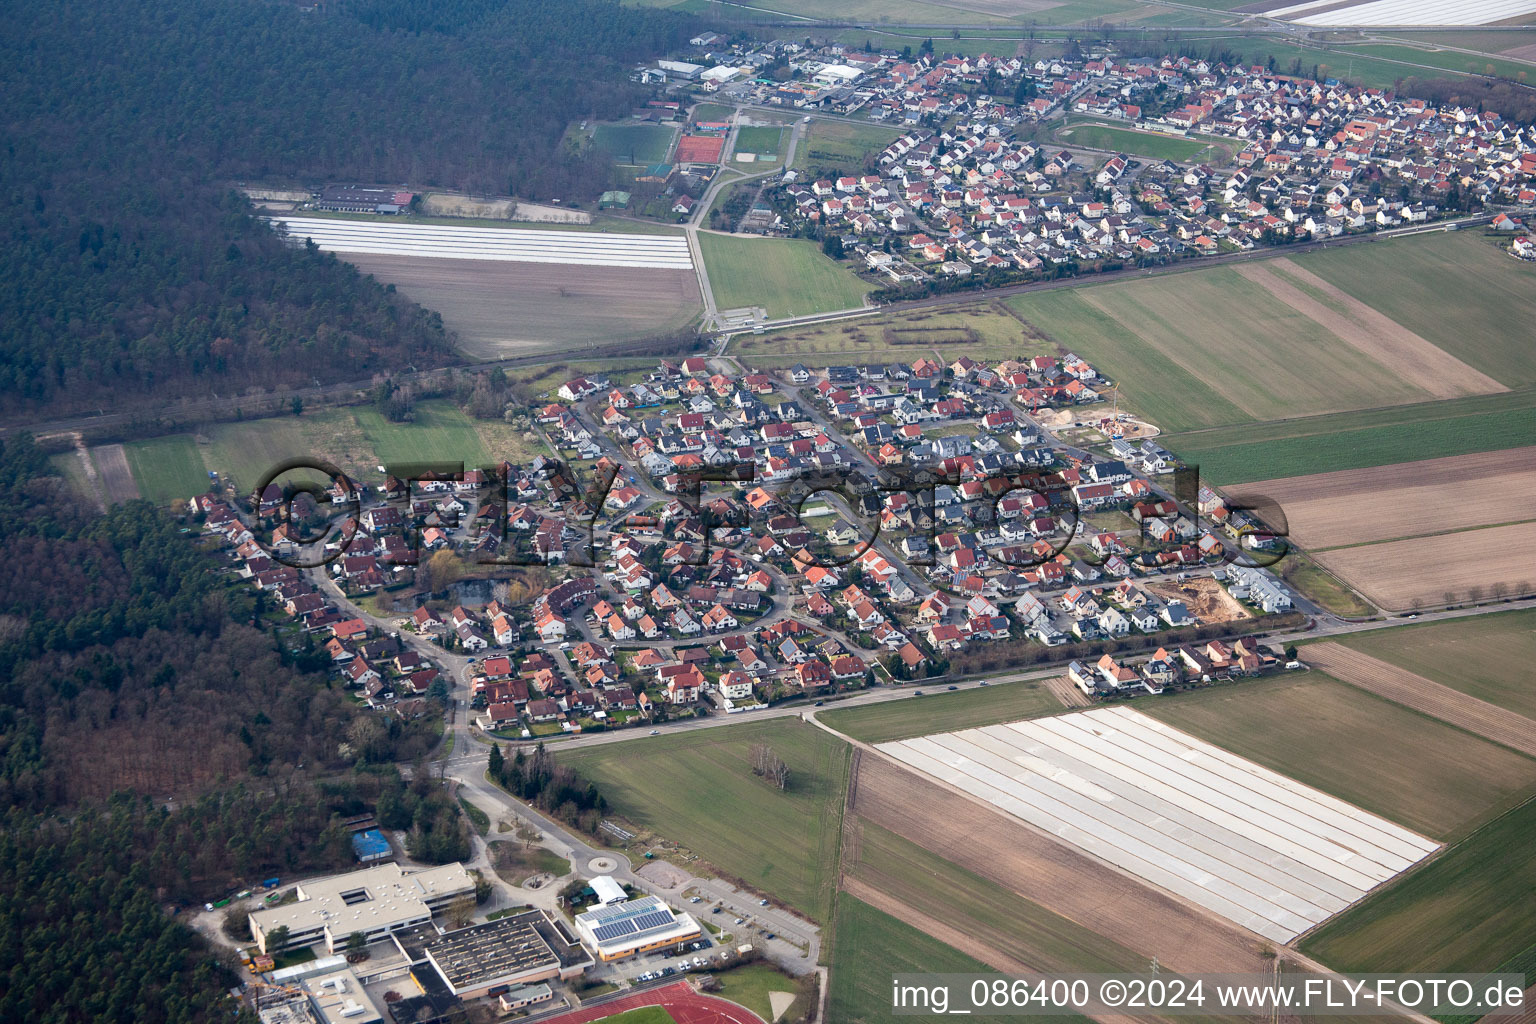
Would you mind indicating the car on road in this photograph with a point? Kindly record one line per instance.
(655, 732)
(983, 683)
(762, 903)
(917, 693)
(954, 687)
(768, 936)
(820, 703)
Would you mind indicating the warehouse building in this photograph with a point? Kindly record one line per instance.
(375, 901)
(371, 846)
(633, 926)
(492, 958)
(607, 890)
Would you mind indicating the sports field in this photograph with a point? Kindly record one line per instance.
(841, 147)
(764, 140)
(1467, 910)
(635, 144)
(166, 468)
(1485, 656)
(697, 789)
(1431, 777)
(1132, 143)
(942, 711)
(787, 277)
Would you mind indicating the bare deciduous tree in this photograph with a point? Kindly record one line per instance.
(766, 764)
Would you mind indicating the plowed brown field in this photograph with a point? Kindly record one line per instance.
(1013, 856)
(1408, 499)
(1429, 571)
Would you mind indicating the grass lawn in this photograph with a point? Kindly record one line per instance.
(750, 984)
(516, 863)
(1469, 909)
(1458, 290)
(1287, 364)
(477, 817)
(1120, 140)
(1487, 656)
(710, 802)
(1356, 440)
(439, 433)
(1419, 772)
(979, 331)
(639, 144)
(1322, 586)
(1002, 920)
(841, 147)
(787, 277)
(167, 468)
(765, 141)
(944, 712)
(642, 1015)
(248, 449)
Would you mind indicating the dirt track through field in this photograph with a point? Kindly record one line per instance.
(1424, 695)
(501, 309)
(1006, 852)
(1408, 499)
(1397, 574)
(116, 477)
(1370, 332)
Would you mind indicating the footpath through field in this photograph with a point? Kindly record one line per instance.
(680, 1000)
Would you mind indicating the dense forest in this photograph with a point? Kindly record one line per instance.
(128, 267)
(153, 725)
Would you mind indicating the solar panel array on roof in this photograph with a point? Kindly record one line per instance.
(612, 931)
(655, 919)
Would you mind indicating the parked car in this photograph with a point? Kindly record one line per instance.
(954, 687)
(655, 732)
(762, 903)
(739, 920)
(695, 899)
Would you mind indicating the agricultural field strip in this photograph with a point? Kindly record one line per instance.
(987, 841)
(1395, 574)
(1404, 12)
(1409, 356)
(1224, 833)
(1425, 695)
(1406, 499)
(515, 245)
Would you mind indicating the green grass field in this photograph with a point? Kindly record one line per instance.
(763, 140)
(749, 985)
(840, 147)
(1356, 440)
(1457, 290)
(642, 1015)
(869, 947)
(638, 144)
(1173, 342)
(787, 277)
(943, 712)
(979, 331)
(1487, 656)
(167, 468)
(440, 432)
(1469, 909)
(1419, 772)
(698, 789)
(1120, 140)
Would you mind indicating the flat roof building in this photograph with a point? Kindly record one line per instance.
(375, 901)
(634, 926)
(523, 949)
(370, 846)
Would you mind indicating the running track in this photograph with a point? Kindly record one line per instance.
(680, 1000)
